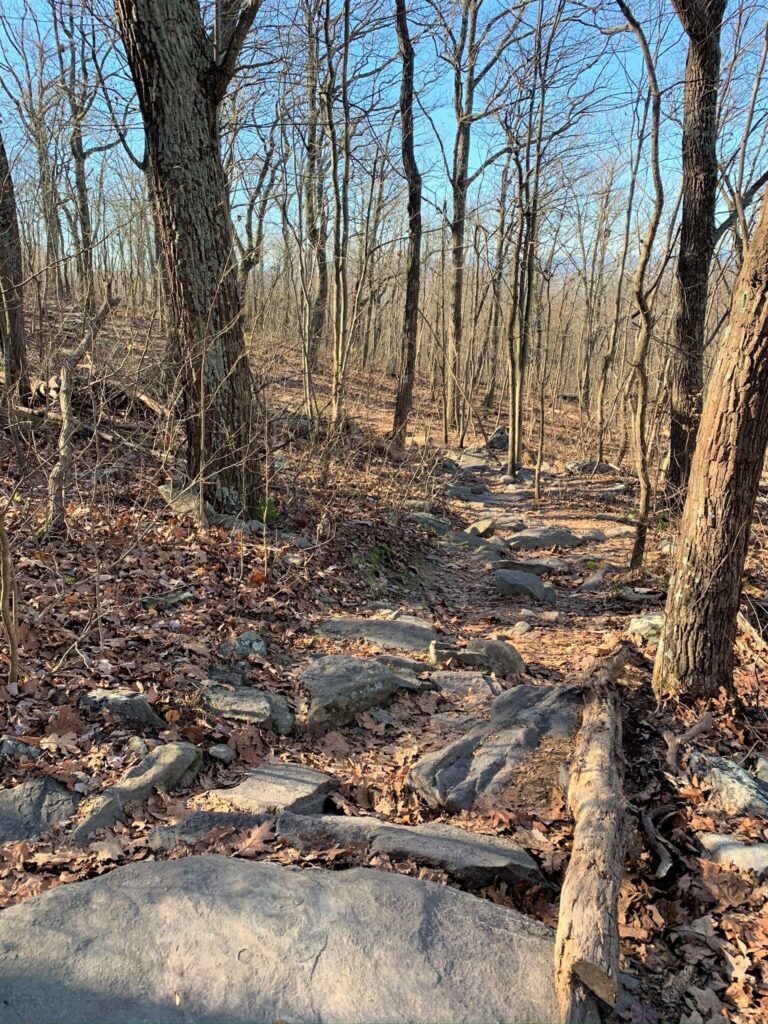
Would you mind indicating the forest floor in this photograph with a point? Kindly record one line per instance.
(138, 596)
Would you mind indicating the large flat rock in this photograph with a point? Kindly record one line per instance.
(406, 633)
(216, 940)
(488, 759)
(34, 807)
(272, 788)
(341, 687)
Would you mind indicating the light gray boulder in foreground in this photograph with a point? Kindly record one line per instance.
(731, 851)
(166, 766)
(467, 856)
(489, 757)
(272, 788)
(513, 583)
(212, 939)
(34, 807)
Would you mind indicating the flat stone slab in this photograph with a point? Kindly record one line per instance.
(732, 851)
(513, 583)
(248, 704)
(168, 765)
(341, 687)
(544, 537)
(406, 633)
(214, 939)
(538, 566)
(195, 827)
(273, 788)
(34, 807)
(472, 859)
(733, 789)
(487, 759)
(124, 703)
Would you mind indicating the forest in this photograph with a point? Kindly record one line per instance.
(383, 511)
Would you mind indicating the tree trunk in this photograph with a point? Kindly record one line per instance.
(413, 271)
(702, 21)
(11, 294)
(695, 656)
(180, 86)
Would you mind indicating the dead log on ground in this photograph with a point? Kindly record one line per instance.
(587, 940)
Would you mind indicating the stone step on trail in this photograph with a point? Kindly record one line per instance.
(404, 633)
(469, 857)
(212, 939)
(340, 687)
(273, 788)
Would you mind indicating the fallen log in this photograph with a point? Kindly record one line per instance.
(587, 940)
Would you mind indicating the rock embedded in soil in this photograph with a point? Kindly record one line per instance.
(732, 789)
(469, 857)
(729, 850)
(34, 807)
(124, 703)
(406, 633)
(488, 759)
(497, 656)
(642, 629)
(199, 826)
(341, 687)
(544, 537)
(222, 752)
(430, 522)
(273, 788)
(167, 766)
(513, 583)
(466, 683)
(481, 528)
(538, 566)
(18, 750)
(213, 939)
(248, 704)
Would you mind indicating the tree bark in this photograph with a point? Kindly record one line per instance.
(702, 21)
(12, 334)
(180, 85)
(695, 655)
(404, 396)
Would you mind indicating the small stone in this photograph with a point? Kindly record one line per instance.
(539, 566)
(124, 703)
(136, 747)
(761, 768)
(549, 617)
(221, 752)
(499, 440)
(482, 528)
(513, 583)
(593, 582)
(417, 505)
(646, 627)
(242, 646)
(521, 628)
(273, 788)
(430, 522)
(10, 747)
(497, 656)
(730, 850)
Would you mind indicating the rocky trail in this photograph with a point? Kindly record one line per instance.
(394, 849)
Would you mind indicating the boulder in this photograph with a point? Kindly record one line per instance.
(513, 583)
(214, 939)
(341, 687)
(124, 703)
(198, 826)
(499, 440)
(544, 537)
(760, 769)
(642, 629)
(732, 789)
(431, 523)
(169, 765)
(247, 704)
(469, 857)
(730, 850)
(488, 758)
(273, 788)
(497, 656)
(34, 807)
(405, 633)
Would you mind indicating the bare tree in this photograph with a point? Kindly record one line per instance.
(12, 335)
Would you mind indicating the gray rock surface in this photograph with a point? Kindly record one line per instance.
(482, 527)
(642, 629)
(341, 687)
(242, 646)
(167, 766)
(406, 633)
(590, 468)
(222, 752)
(430, 522)
(18, 750)
(124, 703)
(273, 788)
(733, 789)
(199, 825)
(248, 704)
(730, 850)
(34, 807)
(216, 940)
(485, 761)
(464, 682)
(513, 583)
(470, 858)
(760, 770)
(544, 537)
(497, 656)
(539, 566)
